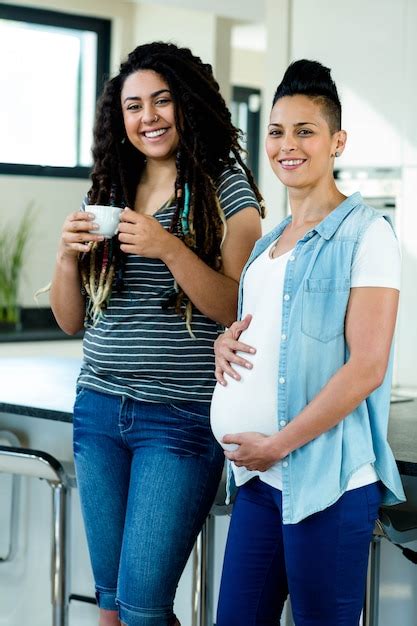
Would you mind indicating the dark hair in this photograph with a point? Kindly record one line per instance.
(312, 79)
(208, 142)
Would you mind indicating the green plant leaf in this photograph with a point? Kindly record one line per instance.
(13, 247)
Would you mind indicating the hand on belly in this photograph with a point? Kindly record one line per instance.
(254, 451)
(229, 447)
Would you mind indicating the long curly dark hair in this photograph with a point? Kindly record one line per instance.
(208, 143)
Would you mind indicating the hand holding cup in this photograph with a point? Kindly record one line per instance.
(78, 233)
(107, 219)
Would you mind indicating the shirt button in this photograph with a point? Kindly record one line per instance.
(286, 297)
(292, 258)
(281, 380)
(283, 423)
(283, 337)
(285, 464)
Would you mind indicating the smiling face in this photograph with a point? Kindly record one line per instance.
(149, 115)
(299, 143)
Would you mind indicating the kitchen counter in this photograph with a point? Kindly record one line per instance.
(47, 334)
(45, 387)
(36, 324)
(39, 386)
(402, 436)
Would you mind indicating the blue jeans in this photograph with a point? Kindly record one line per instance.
(147, 475)
(321, 561)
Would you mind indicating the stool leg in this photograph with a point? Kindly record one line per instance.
(59, 573)
(14, 520)
(288, 620)
(203, 570)
(196, 584)
(207, 567)
(372, 593)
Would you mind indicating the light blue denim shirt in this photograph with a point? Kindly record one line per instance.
(313, 348)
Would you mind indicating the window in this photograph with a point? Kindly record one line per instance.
(52, 69)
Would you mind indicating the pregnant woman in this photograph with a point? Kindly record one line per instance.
(302, 400)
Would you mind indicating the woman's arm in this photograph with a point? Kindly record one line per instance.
(213, 293)
(67, 302)
(369, 328)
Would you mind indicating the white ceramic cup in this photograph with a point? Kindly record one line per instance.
(107, 218)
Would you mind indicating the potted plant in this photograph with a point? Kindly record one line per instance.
(13, 246)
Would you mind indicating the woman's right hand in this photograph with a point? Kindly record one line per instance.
(225, 348)
(76, 234)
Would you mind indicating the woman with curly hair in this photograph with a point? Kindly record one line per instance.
(153, 299)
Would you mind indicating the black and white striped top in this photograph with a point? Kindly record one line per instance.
(139, 350)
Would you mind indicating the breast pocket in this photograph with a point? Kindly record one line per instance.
(324, 307)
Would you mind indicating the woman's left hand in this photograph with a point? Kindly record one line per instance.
(255, 451)
(143, 235)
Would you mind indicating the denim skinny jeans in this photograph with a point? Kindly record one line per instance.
(147, 475)
(321, 562)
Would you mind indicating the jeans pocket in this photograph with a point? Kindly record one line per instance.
(191, 410)
(80, 391)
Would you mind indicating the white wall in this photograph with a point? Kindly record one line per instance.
(363, 43)
(52, 199)
(238, 9)
(371, 49)
(407, 329)
(277, 22)
(181, 26)
(207, 34)
(248, 68)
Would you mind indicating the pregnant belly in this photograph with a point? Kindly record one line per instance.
(248, 405)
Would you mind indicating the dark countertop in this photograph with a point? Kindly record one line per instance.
(45, 387)
(402, 435)
(48, 334)
(35, 324)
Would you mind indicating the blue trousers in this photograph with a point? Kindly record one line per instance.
(147, 476)
(321, 562)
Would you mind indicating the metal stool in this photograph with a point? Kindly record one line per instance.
(398, 524)
(203, 564)
(8, 438)
(60, 477)
(203, 560)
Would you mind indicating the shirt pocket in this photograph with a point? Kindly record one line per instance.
(324, 307)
